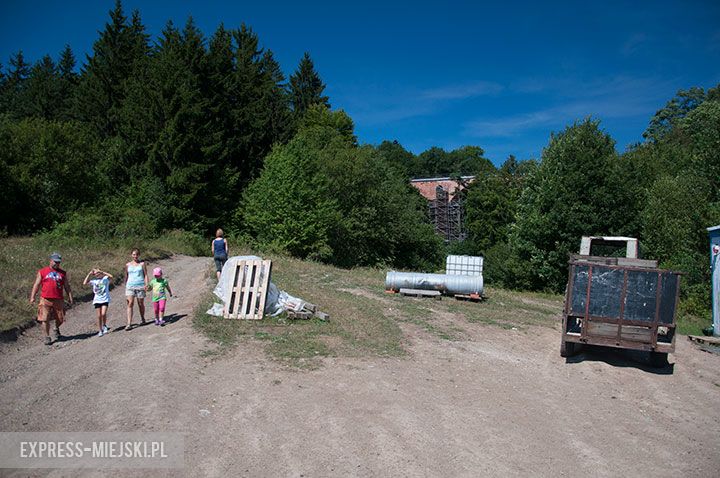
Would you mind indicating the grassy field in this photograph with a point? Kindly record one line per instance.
(364, 320)
(20, 258)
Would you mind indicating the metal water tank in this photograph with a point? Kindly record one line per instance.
(445, 283)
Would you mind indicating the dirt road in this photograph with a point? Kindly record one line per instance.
(499, 403)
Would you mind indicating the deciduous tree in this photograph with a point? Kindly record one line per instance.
(573, 192)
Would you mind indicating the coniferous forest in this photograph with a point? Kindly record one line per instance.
(193, 132)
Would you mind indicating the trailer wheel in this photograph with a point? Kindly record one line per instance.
(567, 349)
(659, 359)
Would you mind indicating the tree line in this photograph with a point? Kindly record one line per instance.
(182, 124)
(526, 217)
(194, 133)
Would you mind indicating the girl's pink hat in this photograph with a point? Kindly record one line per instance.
(157, 272)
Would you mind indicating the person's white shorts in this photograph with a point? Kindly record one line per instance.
(138, 292)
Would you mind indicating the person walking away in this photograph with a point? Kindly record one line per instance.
(160, 287)
(219, 251)
(136, 281)
(52, 282)
(101, 300)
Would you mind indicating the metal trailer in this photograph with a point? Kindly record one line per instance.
(620, 302)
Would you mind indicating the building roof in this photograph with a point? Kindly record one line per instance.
(428, 186)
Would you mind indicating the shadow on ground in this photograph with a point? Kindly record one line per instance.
(172, 318)
(620, 358)
(68, 338)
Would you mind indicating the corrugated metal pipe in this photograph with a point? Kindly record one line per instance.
(445, 283)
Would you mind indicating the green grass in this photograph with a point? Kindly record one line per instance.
(364, 320)
(688, 324)
(358, 325)
(21, 257)
(509, 309)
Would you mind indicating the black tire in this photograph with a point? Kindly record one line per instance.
(658, 359)
(567, 349)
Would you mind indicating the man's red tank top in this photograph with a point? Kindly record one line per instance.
(53, 283)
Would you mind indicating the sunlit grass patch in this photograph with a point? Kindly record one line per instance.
(509, 309)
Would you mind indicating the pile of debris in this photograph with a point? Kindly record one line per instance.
(246, 292)
(306, 311)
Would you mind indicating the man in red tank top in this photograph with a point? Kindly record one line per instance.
(52, 282)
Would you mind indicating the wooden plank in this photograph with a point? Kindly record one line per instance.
(262, 290)
(420, 292)
(636, 334)
(231, 303)
(600, 329)
(704, 340)
(614, 320)
(254, 272)
(630, 262)
(245, 283)
(298, 315)
(321, 315)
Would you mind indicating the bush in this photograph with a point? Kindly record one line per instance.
(135, 223)
(503, 267)
(84, 224)
(286, 208)
(185, 242)
(53, 169)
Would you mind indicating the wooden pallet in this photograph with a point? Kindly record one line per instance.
(705, 340)
(249, 290)
(421, 293)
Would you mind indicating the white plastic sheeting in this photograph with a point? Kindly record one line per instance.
(277, 300)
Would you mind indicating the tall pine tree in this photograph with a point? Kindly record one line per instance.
(306, 87)
(68, 82)
(43, 90)
(116, 56)
(164, 117)
(15, 99)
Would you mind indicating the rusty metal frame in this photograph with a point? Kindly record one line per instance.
(618, 341)
(568, 291)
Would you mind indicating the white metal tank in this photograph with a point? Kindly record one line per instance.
(445, 283)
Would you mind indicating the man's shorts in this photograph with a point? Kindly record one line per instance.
(101, 304)
(138, 292)
(51, 309)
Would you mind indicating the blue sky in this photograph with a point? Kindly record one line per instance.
(501, 75)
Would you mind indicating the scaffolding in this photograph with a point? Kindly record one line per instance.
(447, 215)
